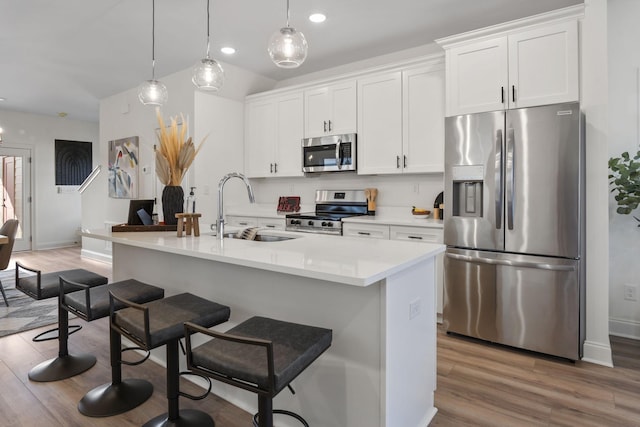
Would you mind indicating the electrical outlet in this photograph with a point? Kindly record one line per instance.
(631, 292)
(415, 308)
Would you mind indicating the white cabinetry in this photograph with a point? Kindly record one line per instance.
(371, 231)
(274, 129)
(330, 109)
(401, 121)
(428, 235)
(380, 124)
(250, 221)
(403, 232)
(519, 68)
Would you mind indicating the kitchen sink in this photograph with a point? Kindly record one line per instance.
(260, 237)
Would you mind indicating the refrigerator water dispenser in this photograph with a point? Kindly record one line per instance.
(468, 182)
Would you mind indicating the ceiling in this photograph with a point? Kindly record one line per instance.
(64, 56)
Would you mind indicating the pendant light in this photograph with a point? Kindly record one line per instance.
(288, 47)
(208, 73)
(153, 92)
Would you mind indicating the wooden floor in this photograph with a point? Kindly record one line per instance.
(478, 384)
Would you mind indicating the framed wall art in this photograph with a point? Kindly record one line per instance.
(123, 168)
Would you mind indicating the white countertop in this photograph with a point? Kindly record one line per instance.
(352, 261)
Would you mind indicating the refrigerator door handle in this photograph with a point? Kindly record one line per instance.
(511, 263)
(510, 177)
(498, 179)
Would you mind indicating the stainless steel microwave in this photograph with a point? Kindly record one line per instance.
(333, 153)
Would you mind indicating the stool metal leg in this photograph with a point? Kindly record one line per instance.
(176, 417)
(118, 396)
(65, 365)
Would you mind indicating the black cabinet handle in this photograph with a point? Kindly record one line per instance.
(405, 161)
(270, 167)
(275, 168)
(364, 233)
(325, 126)
(502, 94)
(329, 125)
(397, 162)
(513, 93)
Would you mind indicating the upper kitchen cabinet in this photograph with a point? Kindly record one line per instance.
(274, 130)
(513, 68)
(401, 121)
(330, 109)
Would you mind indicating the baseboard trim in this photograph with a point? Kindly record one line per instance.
(96, 256)
(597, 353)
(624, 328)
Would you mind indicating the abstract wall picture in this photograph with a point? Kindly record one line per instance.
(73, 161)
(123, 168)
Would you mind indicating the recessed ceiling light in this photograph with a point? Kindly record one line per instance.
(228, 50)
(2, 99)
(317, 17)
(62, 114)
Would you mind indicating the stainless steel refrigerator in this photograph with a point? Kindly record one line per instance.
(514, 228)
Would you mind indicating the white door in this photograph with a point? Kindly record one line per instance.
(16, 192)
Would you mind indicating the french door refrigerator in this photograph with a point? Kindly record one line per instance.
(514, 228)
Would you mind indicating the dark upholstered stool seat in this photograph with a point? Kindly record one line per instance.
(262, 355)
(152, 325)
(89, 303)
(97, 298)
(43, 286)
(167, 317)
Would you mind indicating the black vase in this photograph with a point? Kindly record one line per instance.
(172, 203)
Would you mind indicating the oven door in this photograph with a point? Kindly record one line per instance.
(336, 153)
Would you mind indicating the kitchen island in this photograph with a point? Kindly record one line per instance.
(378, 297)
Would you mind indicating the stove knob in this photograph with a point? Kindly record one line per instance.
(330, 224)
(310, 223)
(324, 223)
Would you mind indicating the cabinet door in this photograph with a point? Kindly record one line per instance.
(316, 111)
(288, 157)
(477, 77)
(380, 124)
(342, 106)
(423, 119)
(261, 138)
(371, 231)
(543, 66)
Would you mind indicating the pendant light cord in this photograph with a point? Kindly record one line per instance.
(208, 22)
(287, 13)
(153, 39)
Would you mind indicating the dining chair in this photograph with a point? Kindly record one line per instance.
(9, 229)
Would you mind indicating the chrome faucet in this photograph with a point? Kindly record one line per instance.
(220, 222)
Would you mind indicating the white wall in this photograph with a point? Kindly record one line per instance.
(219, 117)
(56, 216)
(624, 119)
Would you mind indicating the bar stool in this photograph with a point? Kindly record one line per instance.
(150, 326)
(88, 303)
(43, 286)
(261, 355)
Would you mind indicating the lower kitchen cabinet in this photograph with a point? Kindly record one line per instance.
(250, 221)
(370, 231)
(401, 232)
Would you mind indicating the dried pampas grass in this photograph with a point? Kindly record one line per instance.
(175, 155)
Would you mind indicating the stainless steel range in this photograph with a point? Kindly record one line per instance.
(331, 207)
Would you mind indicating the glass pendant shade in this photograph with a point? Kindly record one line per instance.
(288, 48)
(153, 92)
(208, 75)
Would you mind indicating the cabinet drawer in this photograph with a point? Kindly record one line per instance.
(370, 231)
(417, 234)
(242, 221)
(272, 223)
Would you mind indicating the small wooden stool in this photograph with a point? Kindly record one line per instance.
(188, 220)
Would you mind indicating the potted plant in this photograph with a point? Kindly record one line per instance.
(625, 179)
(173, 158)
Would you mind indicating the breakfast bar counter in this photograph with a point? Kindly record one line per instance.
(378, 297)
